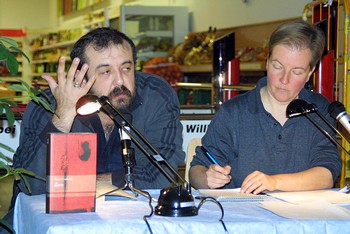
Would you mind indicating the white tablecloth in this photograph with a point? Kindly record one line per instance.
(126, 216)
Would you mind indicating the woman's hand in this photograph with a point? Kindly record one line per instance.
(257, 182)
(218, 176)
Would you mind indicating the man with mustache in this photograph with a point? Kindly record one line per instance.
(103, 64)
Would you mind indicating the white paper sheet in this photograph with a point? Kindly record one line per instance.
(231, 195)
(319, 209)
(331, 196)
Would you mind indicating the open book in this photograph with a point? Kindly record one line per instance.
(231, 195)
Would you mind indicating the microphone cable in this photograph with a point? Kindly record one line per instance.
(150, 214)
(205, 199)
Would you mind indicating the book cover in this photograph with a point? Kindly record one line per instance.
(71, 172)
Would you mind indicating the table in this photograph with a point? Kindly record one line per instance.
(126, 216)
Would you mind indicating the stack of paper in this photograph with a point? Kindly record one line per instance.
(231, 195)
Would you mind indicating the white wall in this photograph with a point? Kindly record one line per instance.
(36, 14)
(30, 14)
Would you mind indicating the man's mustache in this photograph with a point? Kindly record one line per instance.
(119, 90)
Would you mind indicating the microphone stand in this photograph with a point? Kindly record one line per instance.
(324, 131)
(129, 163)
(300, 107)
(173, 201)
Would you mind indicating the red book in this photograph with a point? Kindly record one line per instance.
(71, 173)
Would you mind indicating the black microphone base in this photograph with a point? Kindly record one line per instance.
(176, 202)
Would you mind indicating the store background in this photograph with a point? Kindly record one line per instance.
(42, 14)
(39, 16)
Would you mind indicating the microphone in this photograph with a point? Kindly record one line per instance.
(299, 107)
(125, 139)
(337, 111)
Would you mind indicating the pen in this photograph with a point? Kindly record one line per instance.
(211, 158)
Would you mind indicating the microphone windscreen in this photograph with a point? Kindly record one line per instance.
(296, 107)
(336, 108)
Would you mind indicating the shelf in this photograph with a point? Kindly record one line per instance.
(153, 34)
(54, 46)
(87, 10)
(12, 79)
(238, 87)
(45, 61)
(194, 85)
(196, 68)
(209, 86)
(151, 54)
(244, 66)
(253, 66)
(39, 74)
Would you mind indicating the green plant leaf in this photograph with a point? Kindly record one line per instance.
(9, 41)
(7, 168)
(24, 171)
(4, 165)
(16, 176)
(10, 116)
(26, 183)
(15, 49)
(10, 103)
(8, 148)
(4, 159)
(46, 105)
(3, 52)
(17, 87)
(12, 64)
(25, 84)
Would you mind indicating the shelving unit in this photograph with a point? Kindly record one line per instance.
(199, 77)
(73, 9)
(153, 29)
(45, 60)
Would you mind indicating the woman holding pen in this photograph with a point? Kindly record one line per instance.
(254, 144)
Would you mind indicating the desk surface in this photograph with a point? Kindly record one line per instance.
(126, 216)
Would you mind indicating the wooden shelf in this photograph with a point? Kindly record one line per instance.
(196, 68)
(252, 66)
(55, 60)
(194, 85)
(40, 74)
(238, 87)
(209, 86)
(244, 66)
(56, 45)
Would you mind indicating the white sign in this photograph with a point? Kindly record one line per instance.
(193, 129)
(9, 136)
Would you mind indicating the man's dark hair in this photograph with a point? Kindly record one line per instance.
(100, 39)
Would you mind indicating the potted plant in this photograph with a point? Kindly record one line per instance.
(8, 50)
